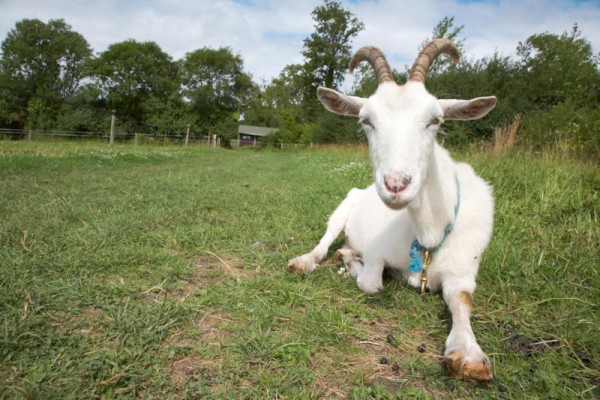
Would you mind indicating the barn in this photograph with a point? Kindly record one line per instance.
(250, 135)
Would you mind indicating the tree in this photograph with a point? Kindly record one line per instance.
(80, 114)
(171, 115)
(327, 51)
(556, 68)
(278, 106)
(445, 29)
(47, 61)
(559, 80)
(131, 74)
(289, 101)
(218, 89)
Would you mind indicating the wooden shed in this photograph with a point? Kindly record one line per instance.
(250, 135)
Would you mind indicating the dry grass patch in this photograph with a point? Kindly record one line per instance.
(397, 343)
(185, 369)
(213, 327)
(87, 317)
(209, 329)
(335, 372)
(209, 270)
(384, 358)
(224, 265)
(386, 349)
(212, 268)
(88, 323)
(83, 321)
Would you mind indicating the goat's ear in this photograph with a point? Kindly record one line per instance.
(339, 103)
(467, 109)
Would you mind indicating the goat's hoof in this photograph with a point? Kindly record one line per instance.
(300, 265)
(459, 368)
(342, 253)
(370, 288)
(351, 259)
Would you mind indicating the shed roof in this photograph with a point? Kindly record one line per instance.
(256, 130)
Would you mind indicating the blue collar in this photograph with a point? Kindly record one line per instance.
(416, 263)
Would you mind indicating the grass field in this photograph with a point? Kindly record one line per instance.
(160, 273)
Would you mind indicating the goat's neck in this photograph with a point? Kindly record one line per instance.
(433, 208)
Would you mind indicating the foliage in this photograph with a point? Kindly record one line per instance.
(217, 89)
(555, 69)
(160, 272)
(167, 115)
(331, 128)
(567, 126)
(489, 76)
(554, 86)
(39, 114)
(81, 115)
(559, 78)
(283, 95)
(327, 51)
(279, 105)
(445, 29)
(45, 61)
(130, 74)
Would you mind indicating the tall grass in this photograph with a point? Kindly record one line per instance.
(160, 272)
(505, 136)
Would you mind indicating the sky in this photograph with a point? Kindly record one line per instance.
(269, 34)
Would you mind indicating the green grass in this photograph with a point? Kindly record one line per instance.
(160, 272)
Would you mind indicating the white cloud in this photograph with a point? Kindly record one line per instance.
(268, 34)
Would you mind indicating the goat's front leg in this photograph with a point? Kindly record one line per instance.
(463, 356)
(368, 273)
(307, 263)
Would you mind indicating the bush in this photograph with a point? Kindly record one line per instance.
(566, 127)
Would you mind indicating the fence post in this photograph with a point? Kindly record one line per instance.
(29, 135)
(111, 138)
(187, 135)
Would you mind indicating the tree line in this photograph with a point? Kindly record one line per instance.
(51, 80)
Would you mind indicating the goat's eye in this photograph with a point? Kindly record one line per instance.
(434, 121)
(366, 122)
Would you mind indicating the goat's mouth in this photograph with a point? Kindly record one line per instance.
(396, 201)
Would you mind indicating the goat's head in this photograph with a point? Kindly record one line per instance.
(401, 121)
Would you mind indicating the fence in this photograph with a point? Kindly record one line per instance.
(136, 137)
(139, 138)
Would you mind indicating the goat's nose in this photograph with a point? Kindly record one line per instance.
(395, 183)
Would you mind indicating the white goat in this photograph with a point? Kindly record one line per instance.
(425, 216)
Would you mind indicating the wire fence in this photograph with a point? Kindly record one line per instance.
(136, 137)
(140, 138)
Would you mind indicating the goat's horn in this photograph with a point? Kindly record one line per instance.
(429, 53)
(375, 57)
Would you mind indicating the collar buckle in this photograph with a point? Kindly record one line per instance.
(426, 263)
